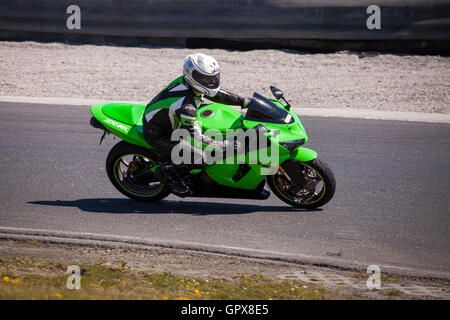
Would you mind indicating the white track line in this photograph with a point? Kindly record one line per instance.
(80, 238)
(316, 112)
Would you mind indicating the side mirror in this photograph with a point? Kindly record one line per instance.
(276, 92)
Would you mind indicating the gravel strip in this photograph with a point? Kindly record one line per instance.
(340, 80)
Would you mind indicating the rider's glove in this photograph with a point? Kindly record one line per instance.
(246, 102)
(224, 144)
(237, 146)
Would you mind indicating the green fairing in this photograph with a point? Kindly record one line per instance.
(125, 121)
(304, 154)
(222, 117)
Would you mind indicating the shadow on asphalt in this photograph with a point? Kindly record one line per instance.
(124, 206)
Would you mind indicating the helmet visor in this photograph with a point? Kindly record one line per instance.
(210, 81)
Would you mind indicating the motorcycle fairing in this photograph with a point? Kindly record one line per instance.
(125, 121)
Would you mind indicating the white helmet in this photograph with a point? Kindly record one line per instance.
(202, 73)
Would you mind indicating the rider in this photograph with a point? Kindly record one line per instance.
(176, 107)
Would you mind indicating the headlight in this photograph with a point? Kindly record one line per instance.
(293, 144)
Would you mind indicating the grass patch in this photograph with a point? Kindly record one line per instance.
(365, 276)
(37, 279)
(393, 293)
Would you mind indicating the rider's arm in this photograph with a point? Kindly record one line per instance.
(188, 118)
(229, 98)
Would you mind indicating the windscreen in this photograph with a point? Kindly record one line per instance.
(263, 110)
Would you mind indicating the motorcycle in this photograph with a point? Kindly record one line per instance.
(297, 177)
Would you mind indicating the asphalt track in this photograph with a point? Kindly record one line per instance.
(391, 206)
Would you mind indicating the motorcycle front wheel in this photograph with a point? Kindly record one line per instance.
(128, 167)
(306, 185)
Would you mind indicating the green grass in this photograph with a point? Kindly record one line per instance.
(393, 293)
(22, 278)
(365, 276)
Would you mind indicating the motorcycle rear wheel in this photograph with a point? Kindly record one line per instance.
(123, 162)
(306, 185)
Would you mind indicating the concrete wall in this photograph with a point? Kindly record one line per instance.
(243, 19)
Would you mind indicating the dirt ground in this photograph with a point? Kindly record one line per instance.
(340, 80)
(341, 284)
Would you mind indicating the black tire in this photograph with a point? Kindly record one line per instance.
(295, 167)
(127, 186)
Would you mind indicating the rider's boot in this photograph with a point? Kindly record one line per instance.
(169, 174)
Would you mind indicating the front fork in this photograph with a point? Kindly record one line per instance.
(303, 155)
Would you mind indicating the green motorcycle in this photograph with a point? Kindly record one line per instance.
(295, 175)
